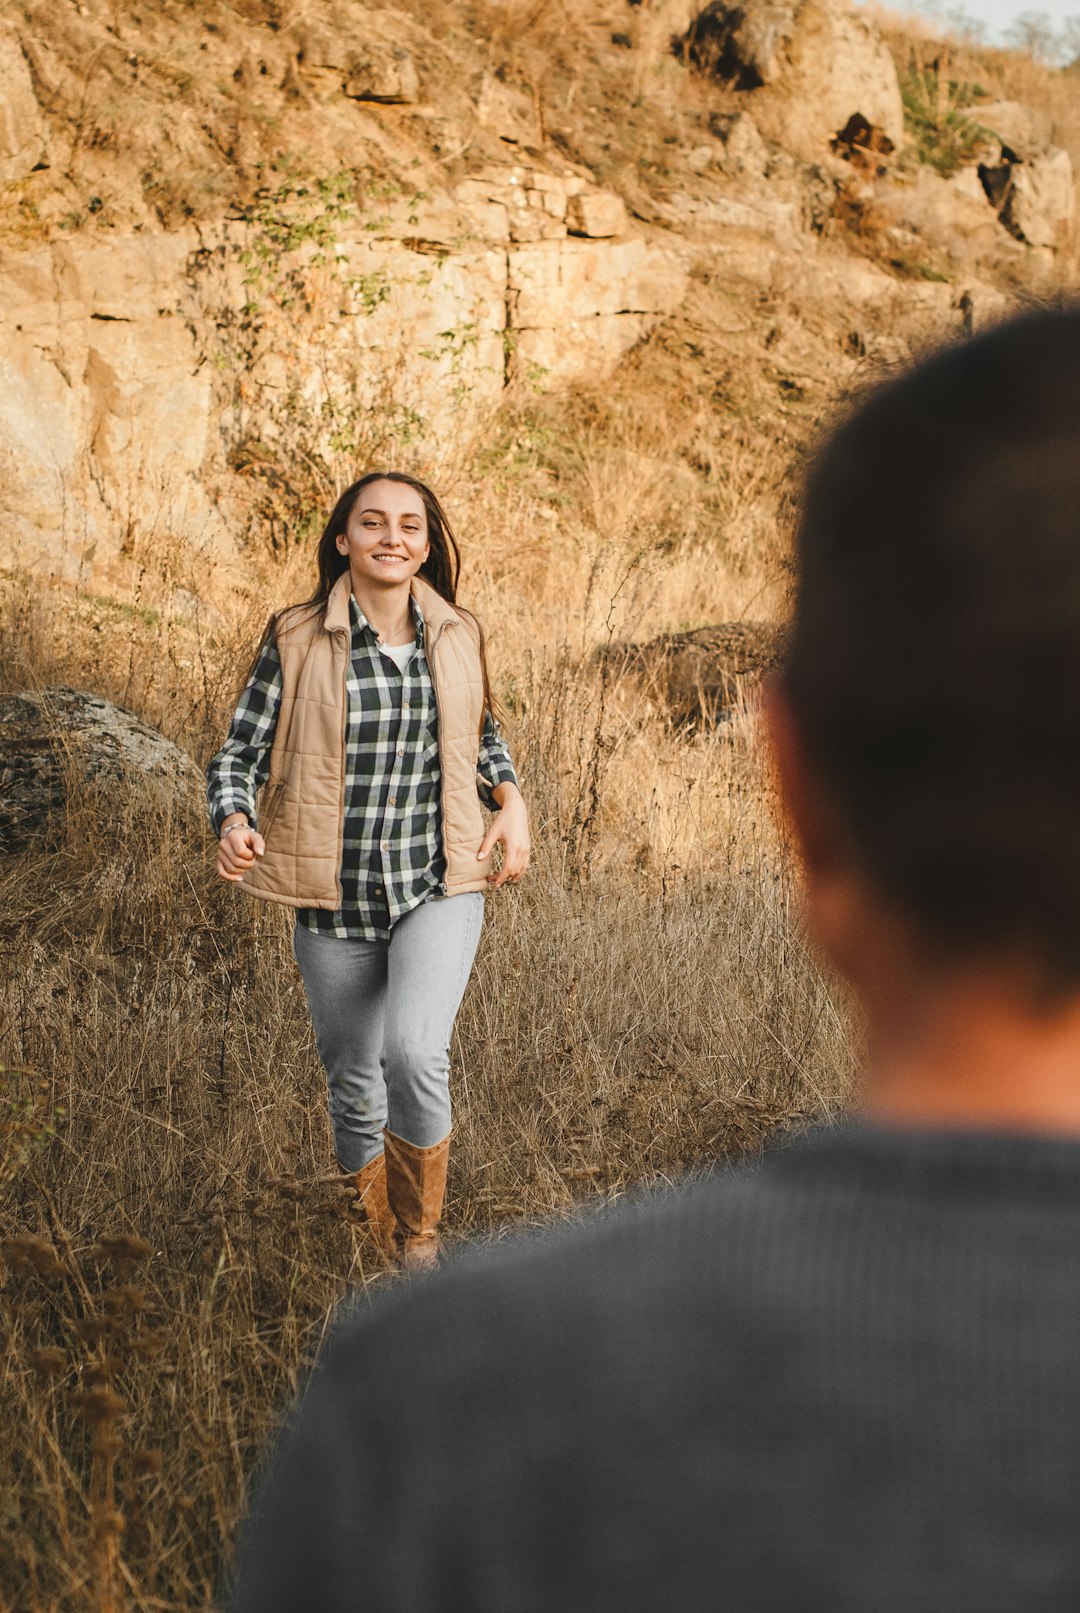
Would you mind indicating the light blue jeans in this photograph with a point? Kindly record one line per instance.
(383, 1013)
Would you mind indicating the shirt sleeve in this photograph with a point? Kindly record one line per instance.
(493, 764)
(235, 775)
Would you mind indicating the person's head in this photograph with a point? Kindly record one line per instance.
(927, 721)
(384, 512)
(388, 511)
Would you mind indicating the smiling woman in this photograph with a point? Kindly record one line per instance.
(368, 725)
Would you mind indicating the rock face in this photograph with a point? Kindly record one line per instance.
(812, 65)
(596, 213)
(23, 138)
(1038, 202)
(702, 675)
(384, 73)
(610, 293)
(744, 154)
(54, 741)
(117, 353)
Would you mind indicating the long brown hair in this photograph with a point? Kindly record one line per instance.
(441, 568)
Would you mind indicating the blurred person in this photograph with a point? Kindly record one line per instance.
(367, 722)
(845, 1378)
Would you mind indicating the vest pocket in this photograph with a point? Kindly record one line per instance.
(268, 807)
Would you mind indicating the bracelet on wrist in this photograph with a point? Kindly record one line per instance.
(243, 825)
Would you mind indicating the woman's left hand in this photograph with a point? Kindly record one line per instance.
(510, 829)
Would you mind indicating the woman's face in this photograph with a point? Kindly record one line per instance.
(386, 539)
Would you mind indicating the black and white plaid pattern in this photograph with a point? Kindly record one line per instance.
(392, 855)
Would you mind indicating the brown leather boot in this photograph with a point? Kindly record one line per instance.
(416, 1186)
(373, 1204)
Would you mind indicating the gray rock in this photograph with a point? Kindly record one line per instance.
(744, 151)
(1040, 202)
(810, 65)
(56, 742)
(381, 72)
(702, 675)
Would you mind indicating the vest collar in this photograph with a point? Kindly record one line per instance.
(433, 607)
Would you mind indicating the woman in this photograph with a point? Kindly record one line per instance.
(367, 721)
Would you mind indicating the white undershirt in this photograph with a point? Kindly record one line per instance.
(400, 654)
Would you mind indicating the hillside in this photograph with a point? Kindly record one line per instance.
(248, 247)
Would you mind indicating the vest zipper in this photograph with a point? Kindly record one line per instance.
(428, 649)
(341, 632)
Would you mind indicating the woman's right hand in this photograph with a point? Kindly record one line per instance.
(238, 848)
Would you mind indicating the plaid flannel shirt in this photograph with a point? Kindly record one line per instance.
(392, 857)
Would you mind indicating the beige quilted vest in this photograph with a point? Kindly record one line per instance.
(302, 806)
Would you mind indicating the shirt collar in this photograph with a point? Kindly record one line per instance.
(360, 621)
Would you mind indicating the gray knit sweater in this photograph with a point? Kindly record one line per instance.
(847, 1379)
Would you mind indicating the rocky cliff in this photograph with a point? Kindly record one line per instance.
(250, 247)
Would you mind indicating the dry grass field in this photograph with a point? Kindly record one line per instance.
(177, 1237)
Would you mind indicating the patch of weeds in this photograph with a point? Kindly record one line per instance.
(937, 113)
(126, 610)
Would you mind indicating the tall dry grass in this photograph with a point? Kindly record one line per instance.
(177, 1238)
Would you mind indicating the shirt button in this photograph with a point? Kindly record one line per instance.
(401, 750)
(378, 890)
(393, 800)
(386, 845)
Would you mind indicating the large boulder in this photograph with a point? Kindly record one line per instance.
(381, 72)
(1038, 203)
(810, 66)
(57, 744)
(950, 215)
(703, 675)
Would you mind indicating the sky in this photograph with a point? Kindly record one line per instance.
(996, 15)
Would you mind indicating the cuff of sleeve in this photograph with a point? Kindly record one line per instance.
(225, 809)
(486, 783)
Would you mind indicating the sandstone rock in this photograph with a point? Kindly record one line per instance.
(702, 675)
(507, 113)
(24, 140)
(533, 202)
(557, 281)
(1039, 204)
(380, 72)
(106, 415)
(744, 152)
(811, 64)
(596, 213)
(947, 214)
(746, 45)
(575, 306)
(56, 742)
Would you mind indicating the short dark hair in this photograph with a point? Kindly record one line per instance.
(933, 663)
